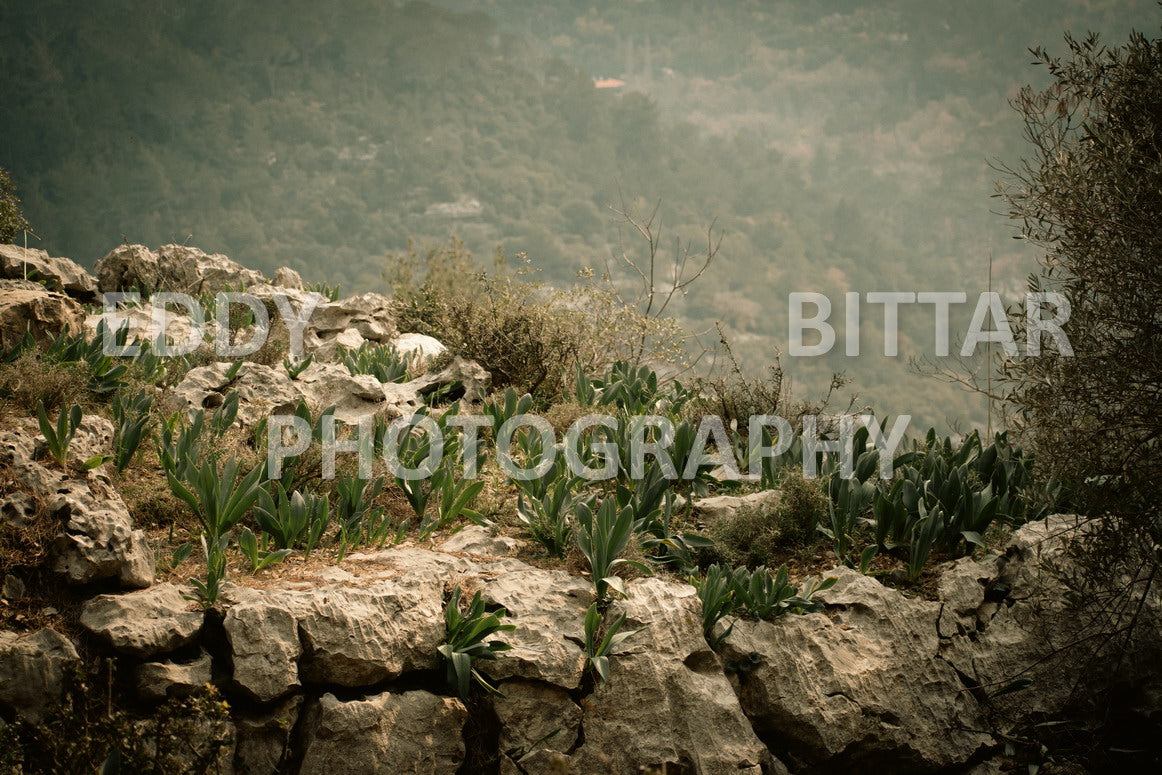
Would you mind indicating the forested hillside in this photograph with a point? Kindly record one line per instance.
(837, 146)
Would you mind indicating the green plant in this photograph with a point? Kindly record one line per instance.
(598, 650)
(295, 368)
(766, 597)
(207, 592)
(602, 537)
(381, 361)
(131, 423)
(257, 553)
(58, 437)
(465, 642)
(218, 499)
(329, 291)
(547, 517)
(509, 405)
(454, 494)
(294, 521)
(716, 591)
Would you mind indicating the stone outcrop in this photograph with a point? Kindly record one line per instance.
(861, 682)
(33, 671)
(411, 732)
(57, 274)
(173, 268)
(41, 313)
(97, 539)
(144, 623)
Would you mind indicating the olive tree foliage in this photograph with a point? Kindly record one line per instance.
(12, 221)
(1090, 196)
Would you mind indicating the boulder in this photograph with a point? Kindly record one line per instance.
(534, 716)
(349, 322)
(98, 540)
(128, 268)
(157, 681)
(44, 314)
(423, 349)
(412, 732)
(264, 645)
(724, 507)
(264, 739)
(190, 270)
(478, 540)
(285, 277)
(860, 685)
(262, 391)
(685, 715)
(147, 325)
(1012, 617)
(173, 268)
(354, 396)
(548, 609)
(58, 274)
(473, 381)
(33, 671)
(145, 623)
(349, 635)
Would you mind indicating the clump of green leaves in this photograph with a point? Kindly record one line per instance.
(757, 594)
(602, 537)
(466, 640)
(600, 645)
(131, 424)
(295, 520)
(381, 361)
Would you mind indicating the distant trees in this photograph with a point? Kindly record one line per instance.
(1091, 196)
(12, 220)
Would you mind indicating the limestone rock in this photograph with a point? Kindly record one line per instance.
(262, 391)
(413, 732)
(61, 274)
(157, 681)
(285, 277)
(263, 739)
(33, 671)
(99, 540)
(148, 323)
(685, 715)
(350, 635)
(420, 347)
(860, 684)
(475, 539)
(548, 609)
(473, 380)
(535, 716)
(366, 317)
(1018, 622)
(42, 313)
(128, 268)
(723, 507)
(189, 270)
(264, 643)
(145, 623)
(353, 396)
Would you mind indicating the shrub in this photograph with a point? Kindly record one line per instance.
(12, 221)
(30, 378)
(526, 334)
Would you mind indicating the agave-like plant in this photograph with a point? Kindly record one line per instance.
(598, 650)
(219, 499)
(466, 641)
(602, 537)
